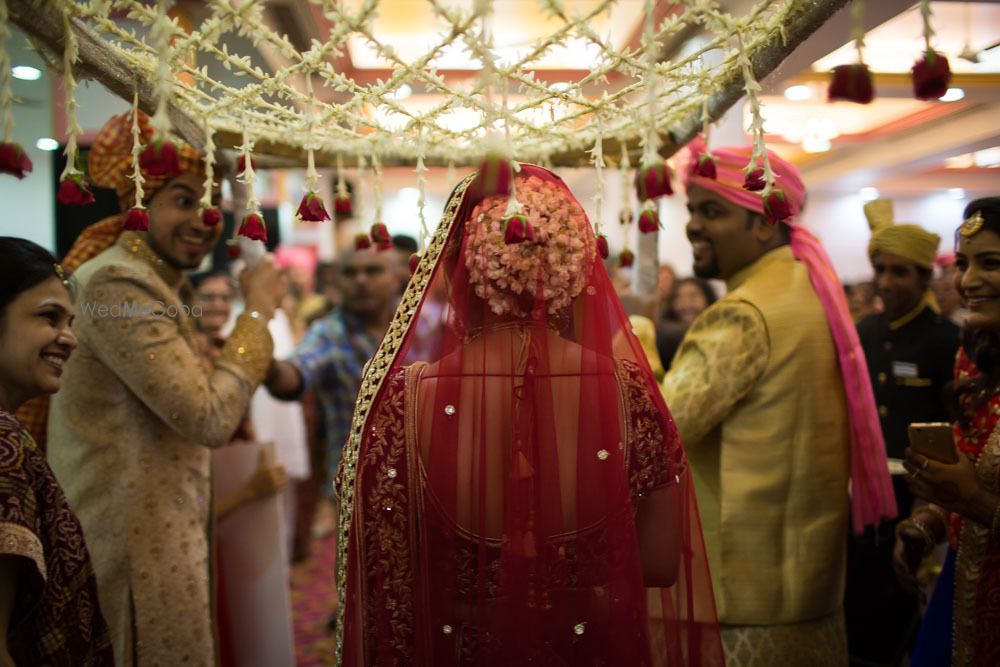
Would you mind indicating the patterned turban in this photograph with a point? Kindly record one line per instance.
(911, 242)
(729, 164)
(110, 161)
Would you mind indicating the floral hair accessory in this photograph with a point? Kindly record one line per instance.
(554, 267)
(60, 272)
(971, 226)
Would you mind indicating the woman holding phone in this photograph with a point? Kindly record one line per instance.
(964, 497)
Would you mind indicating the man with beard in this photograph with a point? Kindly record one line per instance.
(332, 356)
(767, 389)
(910, 349)
(131, 431)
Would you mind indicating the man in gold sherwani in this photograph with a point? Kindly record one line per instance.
(758, 395)
(131, 431)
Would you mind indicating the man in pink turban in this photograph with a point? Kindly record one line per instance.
(770, 393)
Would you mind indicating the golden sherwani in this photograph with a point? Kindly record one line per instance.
(129, 439)
(758, 398)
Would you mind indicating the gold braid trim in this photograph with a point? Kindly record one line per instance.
(376, 372)
(16, 540)
(250, 347)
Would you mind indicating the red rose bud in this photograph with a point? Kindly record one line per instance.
(253, 227)
(414, 263)
(931, 76)
(210, 217)
(311, 209)
(159, 158)
(342, 207)
(653, 182)
(74, 192)
(241, 164)
(136, 220)
(602, 246)
(233, 250)
(705, 166)
(851, 83)
(776, 207)
(494, 178)
(517, 229)
(14, 161)
(626, 258)
(626, 216)
(362, 242)
(380, 234)
(649, 221)
(754, 181)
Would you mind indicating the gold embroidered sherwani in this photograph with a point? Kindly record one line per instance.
(758, 398)
(129, 439)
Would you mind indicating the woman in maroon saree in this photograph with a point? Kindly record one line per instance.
(515, 490)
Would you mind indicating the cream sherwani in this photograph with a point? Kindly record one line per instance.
(129, 439)
(758, 398)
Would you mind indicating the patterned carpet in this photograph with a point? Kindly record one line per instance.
(313, 598)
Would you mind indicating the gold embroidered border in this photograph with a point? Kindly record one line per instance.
(371, 384)
(973, 543)
(17, 540)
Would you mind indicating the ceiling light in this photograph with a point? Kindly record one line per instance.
(798, 93)
(956, 193)
(869, 194)
(953, 95)
(26, 73)
(47, 144)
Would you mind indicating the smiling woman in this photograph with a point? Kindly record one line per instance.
(49, 613)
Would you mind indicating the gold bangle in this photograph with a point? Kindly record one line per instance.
(938, 514)
(921, 528)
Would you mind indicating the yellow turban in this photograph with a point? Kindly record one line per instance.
(911, 242)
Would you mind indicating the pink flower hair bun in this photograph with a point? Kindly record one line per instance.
(554, 267)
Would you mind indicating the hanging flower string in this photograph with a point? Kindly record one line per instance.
(342, 206)
(362, 240)
(853, 83)
(210, 214)
(516, 228)
(931, 74)
(13, 159)
(137, 217)
(379, 232)
(160, 156)
(705, 165)
(652, 179)
(759, 176)
(253, 226)
(311, 208)
(73, 190)
(425, 233)
(626, 257)
(597, 158)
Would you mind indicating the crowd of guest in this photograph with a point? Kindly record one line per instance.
(786, 388)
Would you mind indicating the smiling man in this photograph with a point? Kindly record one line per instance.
(764, 392)
(910, 349)
(130, 432)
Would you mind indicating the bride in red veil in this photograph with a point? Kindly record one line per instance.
(514, 490)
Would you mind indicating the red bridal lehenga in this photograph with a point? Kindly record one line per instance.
(513, 481)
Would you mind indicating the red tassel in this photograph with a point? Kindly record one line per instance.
(602, 246)
(136, 220)
(517, 229)
(74, 192)
(160, 158)
(210, 217)
(776, 207)
(653, 182)
(14, 161)
(754, 181)
(851, 83)
(311, 209)
(705, 166)
(931, 76)
(380, 235)
(253, 227)
(649, 221)
(362, 241)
